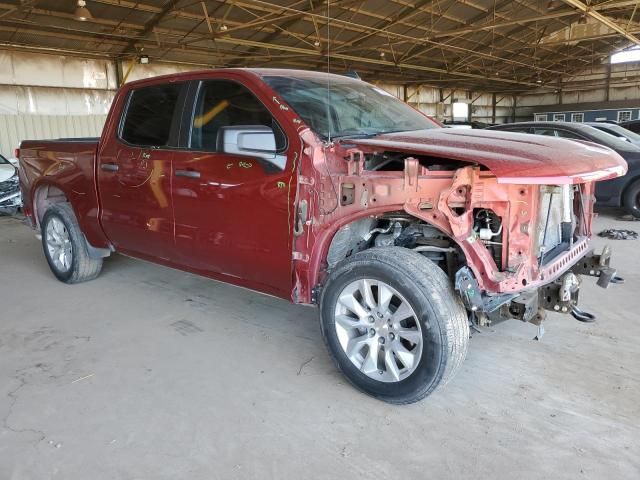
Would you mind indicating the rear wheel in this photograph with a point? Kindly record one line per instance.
(65, 247)
(631, 199)
(393, 324)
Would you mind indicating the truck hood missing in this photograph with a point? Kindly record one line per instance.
(511, 157)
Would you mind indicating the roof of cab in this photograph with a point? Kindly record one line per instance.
(259, 72)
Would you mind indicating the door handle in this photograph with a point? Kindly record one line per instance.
(109, 167)
(146, 155)
(188, 173)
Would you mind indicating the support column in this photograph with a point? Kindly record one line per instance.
(119, 74)
(493, 108)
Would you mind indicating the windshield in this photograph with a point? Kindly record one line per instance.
(347, 107)
(609, 139)
(618, 131)
(3, 160)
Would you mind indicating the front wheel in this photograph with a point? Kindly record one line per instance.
(393, 324)
(631, 199)
(65, 247)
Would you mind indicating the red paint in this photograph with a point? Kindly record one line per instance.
(513, 157)
(70, 168)
(145, 183)
(236, 223)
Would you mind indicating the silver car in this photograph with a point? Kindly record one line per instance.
(617, 131)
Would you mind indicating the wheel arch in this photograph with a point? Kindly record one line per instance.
(322, 247)
(44, 195)
(635, 178)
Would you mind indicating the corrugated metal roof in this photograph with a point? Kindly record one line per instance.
(488, 44)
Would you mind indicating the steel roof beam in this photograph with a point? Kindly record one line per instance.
(588, 10)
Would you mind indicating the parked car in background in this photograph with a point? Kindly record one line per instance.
(401, 231)
(465, 125)
(10, 196)
(617, 131)
(618, 192)
(633, 125)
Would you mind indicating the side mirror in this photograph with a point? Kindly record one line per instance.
(251, 141)
(258, 141)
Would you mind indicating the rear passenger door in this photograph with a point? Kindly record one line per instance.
(234, 213)
(134, 172)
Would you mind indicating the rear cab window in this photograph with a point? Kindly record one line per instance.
(149, 117)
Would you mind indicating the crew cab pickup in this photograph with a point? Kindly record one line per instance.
(326, 190)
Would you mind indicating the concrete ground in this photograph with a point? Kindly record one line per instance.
(150, 373)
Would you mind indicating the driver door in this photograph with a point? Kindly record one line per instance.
(233, 213)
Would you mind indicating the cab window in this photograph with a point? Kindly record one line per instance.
(567, 134)
(545, 131)
(223, 103)
(149, 115)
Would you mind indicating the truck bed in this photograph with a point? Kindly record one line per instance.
(69, 163)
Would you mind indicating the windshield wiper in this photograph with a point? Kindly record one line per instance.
(341, 135)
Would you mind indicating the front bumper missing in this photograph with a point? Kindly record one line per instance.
(598, 266)
(560, 296)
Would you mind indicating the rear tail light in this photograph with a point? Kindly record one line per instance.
(17, 153)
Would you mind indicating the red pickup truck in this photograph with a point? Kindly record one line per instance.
(326, 190)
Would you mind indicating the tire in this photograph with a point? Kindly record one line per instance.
(440, 321)
(60, 231)
(631, 199)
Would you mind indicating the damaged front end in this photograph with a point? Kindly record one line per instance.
(561, 295)
(513, 246)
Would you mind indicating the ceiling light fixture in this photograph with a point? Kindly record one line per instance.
(82, 13)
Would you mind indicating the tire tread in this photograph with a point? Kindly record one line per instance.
(631, 199)
(434, 285)
(85, 268)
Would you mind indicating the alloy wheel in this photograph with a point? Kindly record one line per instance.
(59, 244)
(378, 330)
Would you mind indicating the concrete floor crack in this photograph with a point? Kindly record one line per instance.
(304, 364)
(13, 395)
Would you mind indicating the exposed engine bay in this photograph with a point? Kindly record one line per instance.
(400, 229)
(395, 229)
(390, 161)
(551, 235)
